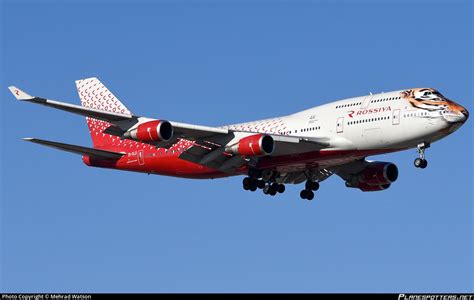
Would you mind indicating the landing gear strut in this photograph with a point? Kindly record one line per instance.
(312, 185)
(421, 162)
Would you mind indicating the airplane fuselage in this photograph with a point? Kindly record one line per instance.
(357, 127)
(307, 146)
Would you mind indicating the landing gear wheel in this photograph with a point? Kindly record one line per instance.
(281, 188)
(310, 195)
(253, 188)
(273, 188)
(316, 186)
(304, 194)
(420, 163)
(424, 164)
(247, 182)
(266, 190)
(260, 184)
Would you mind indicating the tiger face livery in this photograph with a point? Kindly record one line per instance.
(434, 102)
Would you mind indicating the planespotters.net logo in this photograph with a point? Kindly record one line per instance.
(368, 111)
(46, 296)
(434, 297)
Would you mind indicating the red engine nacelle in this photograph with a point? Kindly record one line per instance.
(152, 131)
(254, 145)
(377, 176)
(379, 173)
(372, 188)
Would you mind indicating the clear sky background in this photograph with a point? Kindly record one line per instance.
(69, 228)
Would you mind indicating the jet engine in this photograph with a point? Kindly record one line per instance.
(377, 176)
(152, 131)
(254, 145)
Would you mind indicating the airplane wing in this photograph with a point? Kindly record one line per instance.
(209, 142)
(72, 108)
(121, 122)
(210, 151)
(77, 149)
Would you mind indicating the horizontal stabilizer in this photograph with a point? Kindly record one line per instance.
(77, 149)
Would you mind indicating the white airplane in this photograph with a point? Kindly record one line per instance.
(307, 146)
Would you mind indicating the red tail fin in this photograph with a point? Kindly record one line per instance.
(94, 94)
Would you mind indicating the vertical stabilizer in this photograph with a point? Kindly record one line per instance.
(95, 95)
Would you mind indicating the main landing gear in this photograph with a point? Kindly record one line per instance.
(273, 188)
(267, 182)
(269, 188)
(310, 188)
(251, 184)
(421, 162)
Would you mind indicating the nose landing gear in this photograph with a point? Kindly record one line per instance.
(421, 162)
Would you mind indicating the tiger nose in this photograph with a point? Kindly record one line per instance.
(465, 113)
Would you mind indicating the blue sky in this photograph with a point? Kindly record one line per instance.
(66, 227)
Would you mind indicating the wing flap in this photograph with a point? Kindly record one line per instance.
(77, 149)
(285, 145)
(197, 131)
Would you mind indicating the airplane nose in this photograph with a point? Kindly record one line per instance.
(466, 114)
(455, 113)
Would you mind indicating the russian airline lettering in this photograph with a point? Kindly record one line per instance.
(368, 111)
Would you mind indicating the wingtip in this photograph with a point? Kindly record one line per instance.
(28, 139)
(19, 94)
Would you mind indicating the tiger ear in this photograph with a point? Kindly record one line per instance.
(407, 93)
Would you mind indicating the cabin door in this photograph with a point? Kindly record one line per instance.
(366, 102)
(141, 158)
(396, 117)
